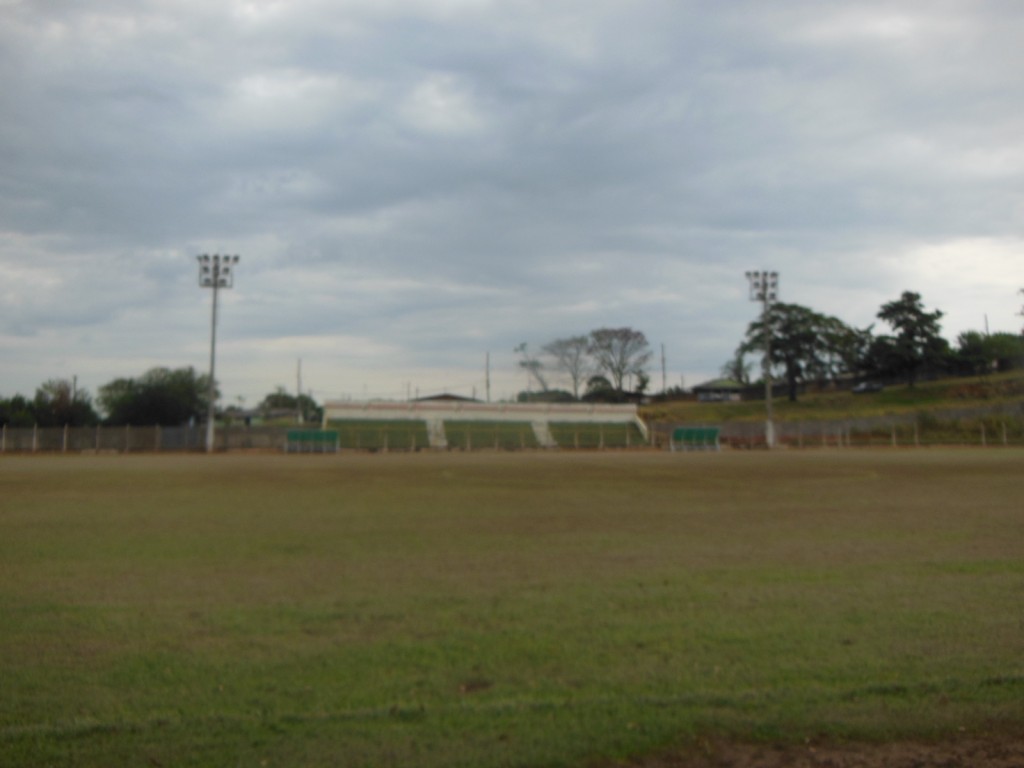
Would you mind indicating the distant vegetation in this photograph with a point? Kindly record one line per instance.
(943, 394)
(809, 350)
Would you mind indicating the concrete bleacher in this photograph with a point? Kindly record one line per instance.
(473, 425)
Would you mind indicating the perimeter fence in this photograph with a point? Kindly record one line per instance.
(991, 426)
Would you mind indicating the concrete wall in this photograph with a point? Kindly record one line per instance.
(441, 410)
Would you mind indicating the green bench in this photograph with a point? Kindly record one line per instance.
(312, 441)
(695, 439)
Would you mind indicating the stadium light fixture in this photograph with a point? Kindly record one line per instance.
(764, 287)
(215, 272)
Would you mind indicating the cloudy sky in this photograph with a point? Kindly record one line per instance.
(415, 184)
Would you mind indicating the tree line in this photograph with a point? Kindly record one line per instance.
(806, 346)
(159, 397)
(606, 364)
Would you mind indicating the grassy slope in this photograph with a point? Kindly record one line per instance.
(927, 396)
(500, 610)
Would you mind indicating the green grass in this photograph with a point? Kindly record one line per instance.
(945, 394)
(515, 609)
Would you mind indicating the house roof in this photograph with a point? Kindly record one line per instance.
(446, 397)
(720, 385)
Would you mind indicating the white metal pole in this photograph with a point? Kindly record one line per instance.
(769, 427)
(212, 392)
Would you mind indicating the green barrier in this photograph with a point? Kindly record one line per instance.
(695, 439)
(312, 441)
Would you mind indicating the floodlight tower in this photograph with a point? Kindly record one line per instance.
(764, 287)
(215, 272)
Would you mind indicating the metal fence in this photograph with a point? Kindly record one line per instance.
(987, 426)
(136, 439)
(992, 426)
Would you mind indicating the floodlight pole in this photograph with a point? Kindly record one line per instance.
(215, 272)
(764, 288)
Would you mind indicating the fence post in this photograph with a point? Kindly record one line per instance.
(35, 438)
(127, 437)
(601, 437)
(3, 438)
(64, 447)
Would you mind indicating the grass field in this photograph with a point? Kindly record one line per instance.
(519, 609)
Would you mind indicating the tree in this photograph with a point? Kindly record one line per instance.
(160, 396)
(532, 365)
(600, 389)
(980, 353)
(572, 358)
(737, 369)
(805, 344)
(618, 353)
(282, 400)
(59, 402)
(916, 342)
(17, 411)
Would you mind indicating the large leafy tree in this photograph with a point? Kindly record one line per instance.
(915, 343)
(161, 396)
(979, 353)
(572, 357)
(59, 402)
(805, 344)
(619, 353)
(282, 400)
(17, 411)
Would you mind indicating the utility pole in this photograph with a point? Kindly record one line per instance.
(215, 272)
(664, 377)
(764, 287)
(298, 395)
(488, 376)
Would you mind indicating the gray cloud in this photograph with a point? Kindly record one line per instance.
(412, 185)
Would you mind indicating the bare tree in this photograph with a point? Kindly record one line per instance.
(572, 358)
(737, 369)
(532, 365)
(619, 352)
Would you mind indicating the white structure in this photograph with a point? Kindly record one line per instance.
(436, 412)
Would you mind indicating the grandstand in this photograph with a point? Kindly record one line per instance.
(468, 425)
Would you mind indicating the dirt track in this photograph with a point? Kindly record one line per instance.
(995, 752)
